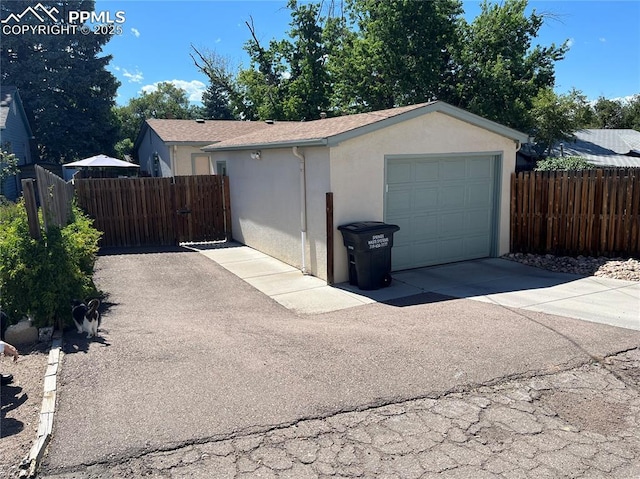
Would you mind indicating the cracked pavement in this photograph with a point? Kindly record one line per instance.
(196, 374)
(583, 422)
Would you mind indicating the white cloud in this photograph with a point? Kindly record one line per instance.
(571, 42)
(194, 88)
(218, 40)
(135, 32)
(603, 40)
(136, 77)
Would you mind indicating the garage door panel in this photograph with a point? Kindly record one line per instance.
(452, 196)
(477, 222)
(480, 194)
(402, 256)
(426, 253)
(480, 168)
(453, 169)
(400, 173)
(426, 171)
(444, 207)
(424, 227)
(405, 234)
(451, 250)
(477, 246)
(425, 198)
(452, 225)
(399, 201)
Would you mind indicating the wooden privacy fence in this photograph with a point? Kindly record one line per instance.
(589, 212)
(157, 211)
(55, 196)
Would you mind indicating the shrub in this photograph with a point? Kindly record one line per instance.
(41, 277)
(564, 163)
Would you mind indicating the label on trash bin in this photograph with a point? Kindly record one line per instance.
(378, 241)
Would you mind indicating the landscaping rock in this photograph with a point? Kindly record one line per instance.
(22, 333)
(615, 268)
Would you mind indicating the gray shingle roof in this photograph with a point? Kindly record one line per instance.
(336, 129)
(209, 131)
(605, 147)
(7, 94)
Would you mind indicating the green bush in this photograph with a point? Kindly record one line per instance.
(564, 163)
(41, 277)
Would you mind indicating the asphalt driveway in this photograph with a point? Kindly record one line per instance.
(189, 353)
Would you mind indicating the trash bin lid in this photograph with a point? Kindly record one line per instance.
(365, 226)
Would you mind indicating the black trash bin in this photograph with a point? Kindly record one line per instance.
(369, 253)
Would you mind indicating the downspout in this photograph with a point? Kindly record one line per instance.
(174, 155)
(303, 207)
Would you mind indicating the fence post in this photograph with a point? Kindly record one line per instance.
(329, 225)
(30, 204)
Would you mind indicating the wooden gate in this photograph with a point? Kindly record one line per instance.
(157, 211)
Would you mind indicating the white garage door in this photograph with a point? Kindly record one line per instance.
(444, 207)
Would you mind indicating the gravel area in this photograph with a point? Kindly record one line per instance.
(615, 268)
(21, 402)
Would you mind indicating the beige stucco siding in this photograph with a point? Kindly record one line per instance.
(266, 203)
(358, 168)
(184, 153)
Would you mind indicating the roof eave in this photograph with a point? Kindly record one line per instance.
(23, 114)
(141, 133)
(189, 143)
(436, 106)
(266, 146)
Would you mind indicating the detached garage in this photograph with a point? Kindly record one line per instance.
(440, 173)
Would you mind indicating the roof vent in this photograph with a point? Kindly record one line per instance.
(199, 120)
(269, 122)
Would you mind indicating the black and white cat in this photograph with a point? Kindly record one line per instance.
(86, 317)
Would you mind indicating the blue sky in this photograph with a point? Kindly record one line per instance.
(604, 59)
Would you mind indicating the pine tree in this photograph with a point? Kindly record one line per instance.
(65, 87)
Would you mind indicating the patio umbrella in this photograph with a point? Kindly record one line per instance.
(101, 161)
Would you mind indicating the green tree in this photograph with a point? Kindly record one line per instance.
(167, 102)
(307, 88)
(556, 118)
(8, 165)
(286, 80)
(221, 94)
(631, 113)
(499, 72)
(608, 113)
(393, 53)
(63, 81)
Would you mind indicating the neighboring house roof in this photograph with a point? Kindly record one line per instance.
(202, 132)
(10, 96)
(331, 131)
(604, 147)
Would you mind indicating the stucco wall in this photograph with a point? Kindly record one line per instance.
(185, 153)
(266, 203)
(358, 168)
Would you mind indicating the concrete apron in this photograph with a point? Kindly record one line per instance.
(491, 280)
